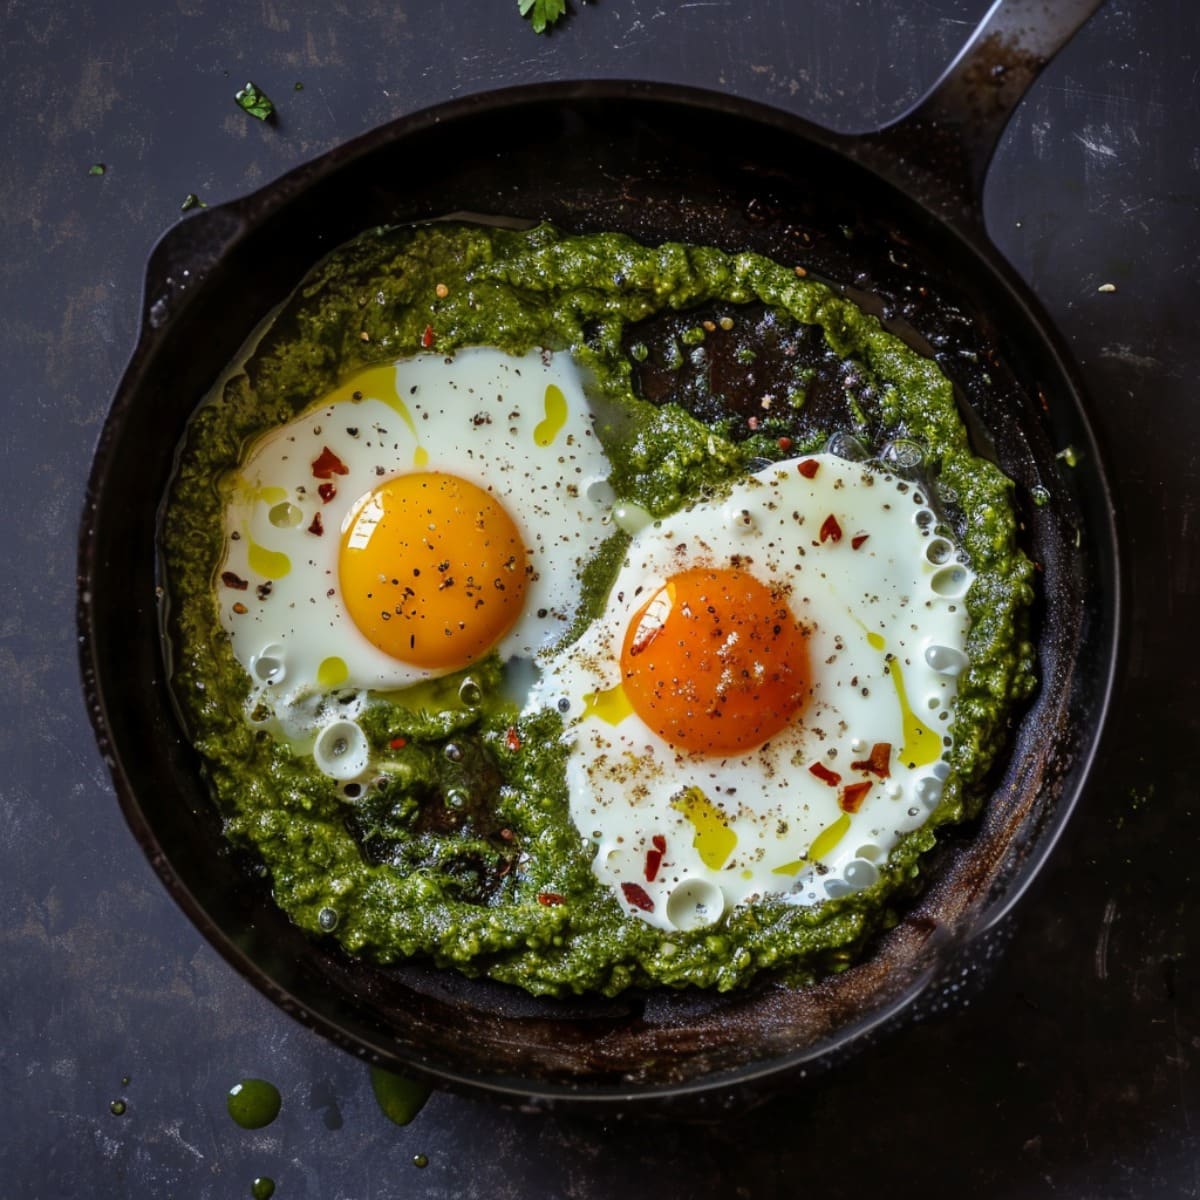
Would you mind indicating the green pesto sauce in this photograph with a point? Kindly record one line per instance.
(253, 1103)
(447, 854)
(399, 1098)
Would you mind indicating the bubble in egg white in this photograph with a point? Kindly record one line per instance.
(946, 660)
(903, 454)
(694, 904)
(341, 750)
(847, 446)
(860, 874)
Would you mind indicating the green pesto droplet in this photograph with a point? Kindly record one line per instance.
(97, 169)
(125, 1080)
(117, 1108)
(253, 1103)
(299, 86)
(262, 1188)
(420, 1160)
(399, 1097)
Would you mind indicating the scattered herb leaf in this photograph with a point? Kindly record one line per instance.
(97, 169)
(542, 13)
(255, 101)
(190, 201)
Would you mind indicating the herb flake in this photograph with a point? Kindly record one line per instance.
(190, 201)
(255, 101)
(542, 13)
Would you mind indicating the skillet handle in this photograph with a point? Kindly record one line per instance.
(940, 149)
(183, 256)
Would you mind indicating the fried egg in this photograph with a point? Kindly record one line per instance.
(425, 514)
(764, 707)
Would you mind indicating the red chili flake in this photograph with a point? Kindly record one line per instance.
(878, 762)
(654, 857)
(636, 895)
(398, 743)
(785, 444)
(858, 539)
(853, 795)
(825, 775)
(317, 526)
(830, 529)
(327, 492)
(229, 579)
(428, 337)
(550, 899)
(512, 739)
(240, 608)
(808, 468)
(327, 464)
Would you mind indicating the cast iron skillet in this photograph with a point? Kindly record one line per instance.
(894, 216)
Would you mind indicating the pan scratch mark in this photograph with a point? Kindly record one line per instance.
(1106, 924)
(173, 1132)
(325, 101)
(1096, 146)
(1123, 352)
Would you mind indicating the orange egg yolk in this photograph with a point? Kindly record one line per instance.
(715, 663)
(432, 570)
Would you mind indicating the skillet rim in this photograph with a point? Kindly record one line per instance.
(193, 241)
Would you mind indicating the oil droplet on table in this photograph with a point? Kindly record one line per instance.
(117, 1108)
(420, 1160)
(262, 1188)
(253, 1103)
(400, 1098)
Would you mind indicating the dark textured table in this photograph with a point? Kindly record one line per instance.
(1071, 1071)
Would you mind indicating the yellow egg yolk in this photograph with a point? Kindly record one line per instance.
(432, 570)
(715, 663)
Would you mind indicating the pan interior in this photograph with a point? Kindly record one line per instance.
(663, 167)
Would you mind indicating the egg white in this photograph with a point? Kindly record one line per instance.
(878, 609)
(483, 415)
